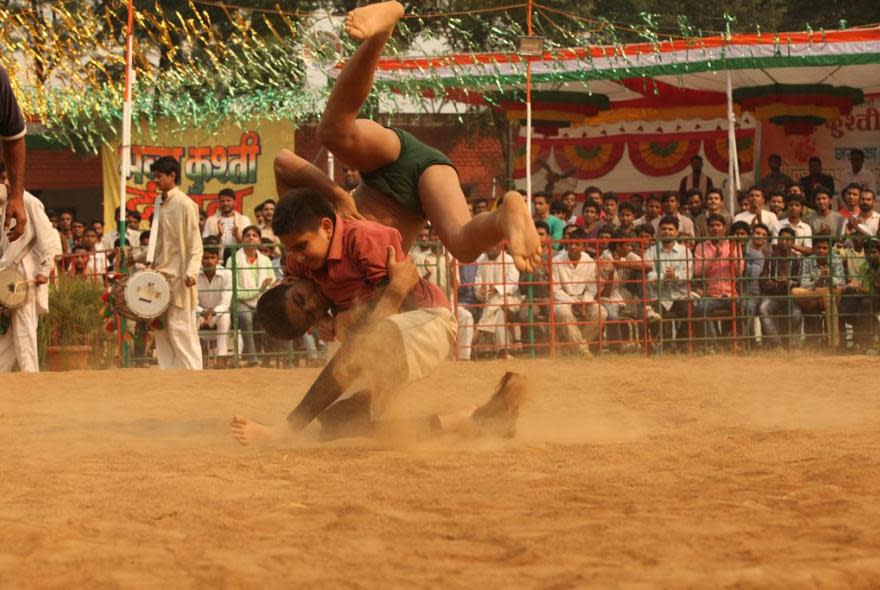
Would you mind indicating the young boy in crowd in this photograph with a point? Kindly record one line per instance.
(781, 273)
(404, 182)
(820, 284)
(626, 214)
(389, 335)
(802, 230)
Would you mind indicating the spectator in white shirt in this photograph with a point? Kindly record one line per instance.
(574, 293)
(867, 220)
(226, 223)
(96, 267)
(497, 286)
(671, 267)
(756, 213)
(670, 207)
(253, 274)
(215, 299)
(857, 173)
(804, 241)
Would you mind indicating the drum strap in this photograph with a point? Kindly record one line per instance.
(154, 230)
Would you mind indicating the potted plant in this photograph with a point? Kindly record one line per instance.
(73, 322)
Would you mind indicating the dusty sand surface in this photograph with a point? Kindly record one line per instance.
(708, 472)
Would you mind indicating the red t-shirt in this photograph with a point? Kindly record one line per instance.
(357, 266)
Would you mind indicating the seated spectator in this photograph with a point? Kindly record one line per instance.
(781, 273)
(535, 290)
(430, 258)
(653, 209)
(756, 212)
(638, 203)
(497, 286)
(616, 265)
(742, 202)
(820, 284)
(467, 310)
(610, 204)
(803, 243)
(203, 220)
(626, 215)
(132, 229)
(79, 261)
(776, 203)
(644, 238)
(825, 222)
(566, 232)
(754, 266)
(574, 295)
(254, 275)
(863, 304)
(270, 250)
(693, 204)
(602, 242)
(215, 299)
(77, 228)
(670, 269)
(98, 226)
(852, 254)
(557, 210)
(569, 199)
(717, 265)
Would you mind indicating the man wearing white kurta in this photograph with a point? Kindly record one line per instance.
(215, 297)
(37, 249)
(496, 285)
(254, 275)
(178, 256)
(574, 294)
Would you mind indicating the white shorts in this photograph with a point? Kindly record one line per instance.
(428, 336)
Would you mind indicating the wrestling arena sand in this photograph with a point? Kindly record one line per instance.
(685, 472)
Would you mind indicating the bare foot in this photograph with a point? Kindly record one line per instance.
(519, 232)
(498, 416)
(246, 431)
(375, 19)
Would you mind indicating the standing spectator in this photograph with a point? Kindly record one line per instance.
(77, 228)
(717, 263)
(776, 204)
(653, 209)
(867, 220)
(12, 132)
(254, 275)
(638, 203)
(132, 229)
(574, 294)
(696, 179)
(52, 214)
(258, 215)
(756, 213)
(815, 179)
(693, 203)
(351, 178)
(819, 285)
(851, 195)
(825, 222)
(65, 230)
(429, 256)
(857, 173)
(480, 206)
(754, 266)
(98, 226)
(776, 180)
(226, 223)
(864, 303)
(592, 221)
(781, 273)
(541, 204)
(467, 311)
(178, 256)
(97, 264)
(671, 268)
(610, 207)
(267, 210)
(714, 206)
(615, 267)
(569, 199)
(497, 286)
(203, 219)
(215, 300)
(670, 208)
(593, 193)
(269, 249)
(804, 241)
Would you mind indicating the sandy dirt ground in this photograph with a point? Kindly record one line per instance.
(703, 472)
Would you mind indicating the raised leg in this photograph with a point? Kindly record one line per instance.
(360, 143)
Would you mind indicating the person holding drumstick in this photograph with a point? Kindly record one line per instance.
(33, 256)
(177, 241)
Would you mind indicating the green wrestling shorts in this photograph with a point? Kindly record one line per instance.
(399, 180)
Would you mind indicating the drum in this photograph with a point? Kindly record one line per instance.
(13, 288)
(142, 295)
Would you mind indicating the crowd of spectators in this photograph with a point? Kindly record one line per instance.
(798, 263)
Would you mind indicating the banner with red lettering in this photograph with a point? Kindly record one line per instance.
(239, 158)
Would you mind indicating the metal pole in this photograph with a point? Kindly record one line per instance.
(733, 183)
(529, 114)
(125, 160)
(331, 165)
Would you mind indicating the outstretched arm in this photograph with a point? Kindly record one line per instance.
(291, 172)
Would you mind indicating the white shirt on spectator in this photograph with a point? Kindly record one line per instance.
(768, 218)
(215, 293)
(252, 276)
(499, 277)
(679, 259)
(616, 276)
(802, 230)
(132, 238)
(216, 221)
(97, 264)
(872, 223)
(432, 267)
(574, 282)
(685, 224)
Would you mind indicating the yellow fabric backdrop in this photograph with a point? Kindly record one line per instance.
(233, 157)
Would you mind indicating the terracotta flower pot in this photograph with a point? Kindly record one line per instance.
(67, 358)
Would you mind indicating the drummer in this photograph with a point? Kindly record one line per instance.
(33, 255)
(179, 257)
